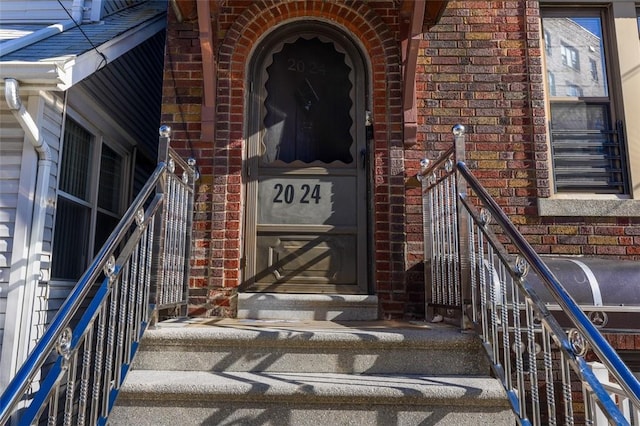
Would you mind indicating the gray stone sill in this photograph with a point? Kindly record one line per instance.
(611, 207)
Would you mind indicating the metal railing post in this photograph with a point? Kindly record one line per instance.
(194, 176)
(463, 228)
(427, 237)
(160, 225)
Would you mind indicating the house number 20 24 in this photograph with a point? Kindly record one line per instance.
(287, 194)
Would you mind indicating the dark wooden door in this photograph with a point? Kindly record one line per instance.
(307, 172)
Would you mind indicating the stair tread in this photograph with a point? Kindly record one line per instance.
(322, 346)
(378, 333)
(346, 388)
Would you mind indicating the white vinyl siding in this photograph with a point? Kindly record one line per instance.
(51, 12)
(11, 139)
(48, 298)
(17, 176)
(32, 11)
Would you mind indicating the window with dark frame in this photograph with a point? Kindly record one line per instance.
(587, 147)
(594, 69)
(85, 214)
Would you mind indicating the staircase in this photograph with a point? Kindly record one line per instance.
(243, 371)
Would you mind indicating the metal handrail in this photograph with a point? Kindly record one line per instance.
(136, 241)
(502, 306)
(17, 387)
(598, 343)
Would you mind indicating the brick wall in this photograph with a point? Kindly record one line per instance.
(218, 222)
(480, 66)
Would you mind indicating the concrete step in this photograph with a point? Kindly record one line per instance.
(316, 307)
(273, 372)
(380, 347)
(154, 397)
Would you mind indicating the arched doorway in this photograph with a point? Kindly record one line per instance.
(307, 164)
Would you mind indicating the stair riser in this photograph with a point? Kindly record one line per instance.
(210, 413)
(446, 361)
(310, 374)
(318, 307)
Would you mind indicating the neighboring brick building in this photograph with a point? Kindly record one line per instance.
(240, 86)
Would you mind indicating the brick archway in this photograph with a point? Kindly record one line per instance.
(381, 50)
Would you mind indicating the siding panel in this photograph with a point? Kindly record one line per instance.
(42, 11)
(47, 300)
(114, 6)
(11, 140)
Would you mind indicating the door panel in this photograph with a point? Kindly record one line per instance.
(307, 259)
(307, 194)
(307, 199)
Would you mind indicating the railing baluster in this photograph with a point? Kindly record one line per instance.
(518, 347)
(98, 364)
(141, 262)
(484, 296)
(52, 417)
(549, 377)
(532, 350)
(436, 223)
(566, 389)
(70, 389)
(99, 347)
(471, 268)
(148, 236)
(85, 376)
(503, 307)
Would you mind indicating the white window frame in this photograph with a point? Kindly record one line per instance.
(624, 55)
(574, 90)
(97, 141)
(570, 56)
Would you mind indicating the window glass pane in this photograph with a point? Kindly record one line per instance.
(109, 194)
(71, 240)
(104, 225)
(308, 104)
(76, 156)
(575, 56)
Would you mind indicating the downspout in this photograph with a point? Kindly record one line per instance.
(34, 251)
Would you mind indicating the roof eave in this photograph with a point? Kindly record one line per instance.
(45, 75)
(63, 72)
